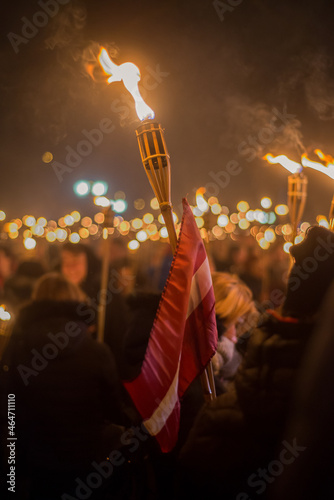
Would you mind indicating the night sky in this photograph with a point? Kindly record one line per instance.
(217, 74)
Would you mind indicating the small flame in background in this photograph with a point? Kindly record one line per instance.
(327, 169)
(129, 74)
(283, 160)
(4, 315)
(200, 200)
(295, 167)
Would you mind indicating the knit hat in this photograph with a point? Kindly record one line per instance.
(311, 274)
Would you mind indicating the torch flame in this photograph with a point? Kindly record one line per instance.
(130, 75)
(200, 200)
(283, 160)
(327, 169)
(4, 315)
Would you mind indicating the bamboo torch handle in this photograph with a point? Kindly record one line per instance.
(101, 315)
(103, 290)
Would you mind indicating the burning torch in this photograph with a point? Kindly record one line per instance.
(327, 169)
(155, 159)
(297, 189)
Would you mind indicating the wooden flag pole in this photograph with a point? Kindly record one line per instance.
(101, 319)
(155, 158)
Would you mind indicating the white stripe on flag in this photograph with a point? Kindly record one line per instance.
(160, 416)
(200, 285)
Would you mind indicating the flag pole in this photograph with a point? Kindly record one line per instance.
(155, 159)
(101, 319)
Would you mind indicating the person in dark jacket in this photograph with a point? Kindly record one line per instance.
(18, 288)
(237, 446)
(69, 413)
(310, 475)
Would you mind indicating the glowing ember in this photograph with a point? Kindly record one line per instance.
(129, 74)
(283, 160)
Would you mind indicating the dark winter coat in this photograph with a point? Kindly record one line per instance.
(66, 389)
(242, 429)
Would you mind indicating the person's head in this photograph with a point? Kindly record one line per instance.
(311, 274)
(74, 263)
(234, 304)
(124, 275)
(53, 286)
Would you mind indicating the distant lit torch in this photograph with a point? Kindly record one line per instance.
(297, 189)
(327, 169)
(154, 155)
(5, 327)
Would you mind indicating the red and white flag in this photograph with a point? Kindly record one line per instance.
(183, 337)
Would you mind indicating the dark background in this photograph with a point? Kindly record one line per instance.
(225, 77)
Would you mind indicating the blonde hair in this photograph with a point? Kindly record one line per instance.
(234, 299)
(53, 286)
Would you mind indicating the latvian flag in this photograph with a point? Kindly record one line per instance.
(183, 337)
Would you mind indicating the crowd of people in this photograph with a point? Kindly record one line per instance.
(78, 432)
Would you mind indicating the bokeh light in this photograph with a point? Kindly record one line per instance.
(99, 188)
(29, 243)
(47, 157)
(154, 204)
(119, 206)
(133, 245)
(282, 209)
(81, 188)
(222, 220)
(243, 206)
(74, 238)
(266, 202)
(141, 235)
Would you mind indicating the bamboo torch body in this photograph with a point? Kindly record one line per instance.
(297, 194)
(155, 158)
